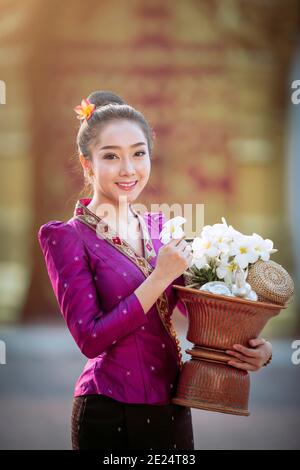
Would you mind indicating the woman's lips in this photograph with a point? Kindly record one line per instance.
(127, 187)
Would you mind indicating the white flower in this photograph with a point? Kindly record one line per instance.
(221, 249)
(172, 229)
(200, 262)
(221, 235)
(242, 248)
(221, 230)
(263, 247)
(226, 269)
(204, 246)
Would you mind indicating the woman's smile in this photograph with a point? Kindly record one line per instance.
(127, 186)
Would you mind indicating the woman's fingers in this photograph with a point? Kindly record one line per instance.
(246, 351)
(242, 357)
(181, 244)
(257, 342)
(246, 358)
(188, 248)
(178, 240)
(243, 365)
(175, 241)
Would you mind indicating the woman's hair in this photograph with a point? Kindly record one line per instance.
(109, 107)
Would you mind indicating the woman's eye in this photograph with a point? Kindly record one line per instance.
(112, 155)
(109, 155)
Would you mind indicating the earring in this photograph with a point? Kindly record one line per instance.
(89, 172)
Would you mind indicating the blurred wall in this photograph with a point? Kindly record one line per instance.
(209, 75)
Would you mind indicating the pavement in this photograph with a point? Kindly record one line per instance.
(42, 366)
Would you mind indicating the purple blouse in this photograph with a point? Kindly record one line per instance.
(133, 357)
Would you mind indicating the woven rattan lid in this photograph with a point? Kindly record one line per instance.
(270, 281)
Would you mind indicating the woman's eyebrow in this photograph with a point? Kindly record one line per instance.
(117, 147)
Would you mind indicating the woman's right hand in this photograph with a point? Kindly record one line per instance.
(172, 260)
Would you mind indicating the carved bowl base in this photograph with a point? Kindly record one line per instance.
(208, 383)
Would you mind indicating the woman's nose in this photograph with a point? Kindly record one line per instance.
(127, 168)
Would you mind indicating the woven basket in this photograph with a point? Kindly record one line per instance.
(271, 282)
(215, 323)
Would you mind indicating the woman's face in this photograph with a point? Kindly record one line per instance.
(127, 160)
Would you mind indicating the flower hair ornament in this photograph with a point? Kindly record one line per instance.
(85, 109)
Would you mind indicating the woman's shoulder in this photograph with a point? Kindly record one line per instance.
(57, 229)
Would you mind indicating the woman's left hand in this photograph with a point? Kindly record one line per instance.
(253, 358)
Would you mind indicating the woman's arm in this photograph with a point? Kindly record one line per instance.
(149, 291)
(73, 284)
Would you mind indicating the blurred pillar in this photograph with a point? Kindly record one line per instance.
(293, 179)
(39, 305)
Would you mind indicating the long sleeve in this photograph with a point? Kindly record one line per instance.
(73, 284)
(179, 281)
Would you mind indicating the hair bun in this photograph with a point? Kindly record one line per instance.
(101, 98)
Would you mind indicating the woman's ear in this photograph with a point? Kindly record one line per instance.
(86, 165)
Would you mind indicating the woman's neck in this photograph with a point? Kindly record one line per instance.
(111, 213)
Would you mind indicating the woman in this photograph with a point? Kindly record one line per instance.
(115, 291)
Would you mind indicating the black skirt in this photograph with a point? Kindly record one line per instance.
(101, 423)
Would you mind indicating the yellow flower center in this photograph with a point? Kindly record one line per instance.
(232, 267)
(207, 245)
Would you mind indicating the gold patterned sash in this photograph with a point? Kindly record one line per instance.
(82, 213)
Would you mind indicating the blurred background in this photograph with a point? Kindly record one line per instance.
(214, 79)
